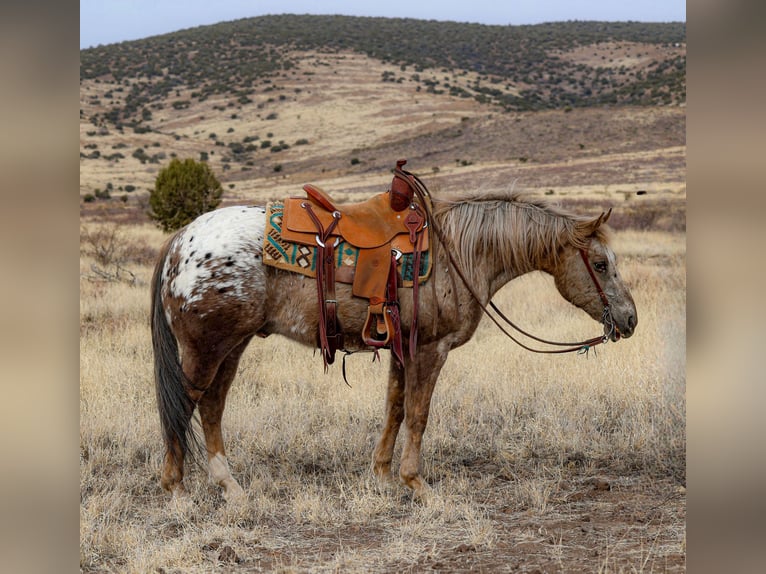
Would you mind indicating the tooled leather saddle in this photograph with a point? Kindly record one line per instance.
(383, 228)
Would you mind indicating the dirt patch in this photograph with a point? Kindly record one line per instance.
(630, 55)
(590, 524)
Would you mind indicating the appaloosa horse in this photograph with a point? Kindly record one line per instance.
(211, 294)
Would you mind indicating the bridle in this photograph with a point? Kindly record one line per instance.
(580, 347)
(606, 317)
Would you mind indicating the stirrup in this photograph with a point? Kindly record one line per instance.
(378, 327)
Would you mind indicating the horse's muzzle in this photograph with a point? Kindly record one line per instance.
(615, 333)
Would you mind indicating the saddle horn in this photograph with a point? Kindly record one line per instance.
(402, 191)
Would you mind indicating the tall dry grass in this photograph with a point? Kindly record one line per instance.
(300, 442)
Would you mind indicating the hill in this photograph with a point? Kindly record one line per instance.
(276, 101)
(519, 67)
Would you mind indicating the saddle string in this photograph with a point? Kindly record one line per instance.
(581, 347)
(325, 277)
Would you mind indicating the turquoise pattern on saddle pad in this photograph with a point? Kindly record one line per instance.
(302, 258)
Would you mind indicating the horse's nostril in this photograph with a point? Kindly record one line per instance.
(632, 322)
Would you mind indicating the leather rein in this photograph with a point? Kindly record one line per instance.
(581, 347)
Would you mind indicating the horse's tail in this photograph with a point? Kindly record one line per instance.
(174, 404)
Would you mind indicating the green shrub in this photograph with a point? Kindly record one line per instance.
(183, 191)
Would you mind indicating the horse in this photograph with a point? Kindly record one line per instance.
(212, 294)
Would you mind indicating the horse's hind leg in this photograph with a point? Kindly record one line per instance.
(173, 468)
(199, 372)
(211, 407)
(384, 451)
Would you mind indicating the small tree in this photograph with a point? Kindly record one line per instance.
(183, 191)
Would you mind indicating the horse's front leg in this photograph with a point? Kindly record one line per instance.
(384, 451)
(420, 379)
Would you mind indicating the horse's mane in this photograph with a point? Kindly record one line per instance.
(522, 230)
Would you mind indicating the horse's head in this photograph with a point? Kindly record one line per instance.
(589, 279)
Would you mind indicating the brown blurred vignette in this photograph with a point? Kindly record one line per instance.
(725, 385)
(38, 235)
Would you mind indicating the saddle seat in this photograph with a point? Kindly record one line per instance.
(367, 225)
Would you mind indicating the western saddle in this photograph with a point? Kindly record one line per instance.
(383, 228)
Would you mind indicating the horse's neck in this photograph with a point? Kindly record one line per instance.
(501, 277)
(488, 271)
(485, 275)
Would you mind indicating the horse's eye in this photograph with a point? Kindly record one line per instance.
(600, 266)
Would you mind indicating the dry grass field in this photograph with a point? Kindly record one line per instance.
(548, 464)
(538, 464)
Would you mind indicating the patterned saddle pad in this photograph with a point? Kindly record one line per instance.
(302, 258)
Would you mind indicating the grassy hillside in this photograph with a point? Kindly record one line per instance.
(519, 67)
(274, 102)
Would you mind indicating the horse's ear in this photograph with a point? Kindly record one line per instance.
(589, 227)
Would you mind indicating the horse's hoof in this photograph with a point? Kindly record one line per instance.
(421, 491)
(233, 493)
(386, 484)
(423, 494)
(181, 501)
(177, 491)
